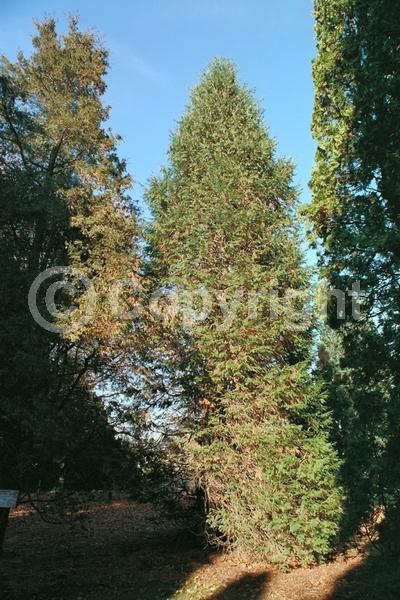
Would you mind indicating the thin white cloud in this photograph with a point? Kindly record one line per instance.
(122, 54)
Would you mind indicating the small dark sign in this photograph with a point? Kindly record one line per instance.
(8, 498)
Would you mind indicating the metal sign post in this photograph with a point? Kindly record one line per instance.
(8, 499)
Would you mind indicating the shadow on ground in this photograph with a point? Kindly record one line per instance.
(127, 553)
(251, 587)
(378, 578)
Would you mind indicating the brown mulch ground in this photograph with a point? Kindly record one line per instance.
(129, 552)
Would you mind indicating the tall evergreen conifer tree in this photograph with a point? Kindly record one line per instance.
(64, 202)
(224, 232)
(356, 214)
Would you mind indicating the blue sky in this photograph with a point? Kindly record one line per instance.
(159, 49)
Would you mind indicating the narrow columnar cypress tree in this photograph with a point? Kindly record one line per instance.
(355, 213)
(224, 232)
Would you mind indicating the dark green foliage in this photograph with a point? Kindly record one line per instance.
(356, 214)
(256, 428)
(63, 202)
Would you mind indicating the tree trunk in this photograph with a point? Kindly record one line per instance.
(4, 512)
